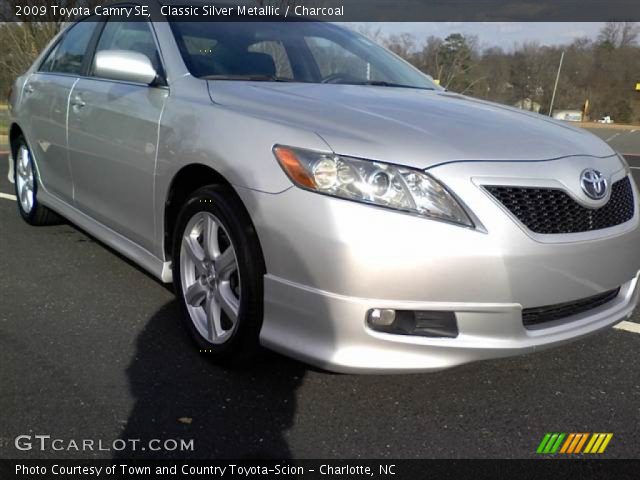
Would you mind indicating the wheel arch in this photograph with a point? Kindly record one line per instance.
(186, 181)
(15, 132)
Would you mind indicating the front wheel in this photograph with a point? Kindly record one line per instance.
(218, 274)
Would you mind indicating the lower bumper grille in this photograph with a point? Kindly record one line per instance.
(532, 317)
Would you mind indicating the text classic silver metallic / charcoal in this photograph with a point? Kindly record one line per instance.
(307, 190)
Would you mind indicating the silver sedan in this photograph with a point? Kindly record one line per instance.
(306, 190)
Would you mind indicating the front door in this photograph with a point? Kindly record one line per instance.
(113, 135)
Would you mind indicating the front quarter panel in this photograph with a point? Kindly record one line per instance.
(15, 95)
(239, 147)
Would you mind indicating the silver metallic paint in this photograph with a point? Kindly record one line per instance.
(124, 66)
(330, 260)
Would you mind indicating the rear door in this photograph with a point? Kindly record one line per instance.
(45, 100)
(113, 134)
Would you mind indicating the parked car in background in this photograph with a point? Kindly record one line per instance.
(307, 190)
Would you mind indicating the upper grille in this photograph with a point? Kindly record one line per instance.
(550, 210)
(536, 316)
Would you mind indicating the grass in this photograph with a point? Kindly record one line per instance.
(4, 120)
(4, 126)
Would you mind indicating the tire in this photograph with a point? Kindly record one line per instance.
(221, 301)
(25, 178)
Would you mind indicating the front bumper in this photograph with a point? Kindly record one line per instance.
(329, 261)
(329, 330)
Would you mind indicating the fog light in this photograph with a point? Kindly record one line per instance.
(423, 323)
(381, 317)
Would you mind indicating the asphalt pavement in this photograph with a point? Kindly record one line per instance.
(625, 140)
(91, 348)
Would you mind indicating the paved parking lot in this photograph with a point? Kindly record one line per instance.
(91, 348)
(626, 140)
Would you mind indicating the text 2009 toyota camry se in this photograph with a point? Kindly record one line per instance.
(307, 190)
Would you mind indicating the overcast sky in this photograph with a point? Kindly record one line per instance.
(504, 34)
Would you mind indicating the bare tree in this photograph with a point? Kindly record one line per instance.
(403, 45)
(629, 34)
(22, 43)
(619, 34)
(427, 58)
(23, 38)
(373, 34)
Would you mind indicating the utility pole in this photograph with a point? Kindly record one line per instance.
(555, 87)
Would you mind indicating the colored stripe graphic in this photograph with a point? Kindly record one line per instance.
(550, 443)
(544, 441)
(568, 442)
(582, 441)
(572, 443)
(607, 439)
(556, 446)
(576, 439)
(592, 443)
(598, 443)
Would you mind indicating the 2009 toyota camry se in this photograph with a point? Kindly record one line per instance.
(307, 190)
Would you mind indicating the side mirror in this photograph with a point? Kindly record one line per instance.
(124, 65)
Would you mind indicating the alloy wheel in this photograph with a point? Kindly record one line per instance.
(210, 277)
(25, 179)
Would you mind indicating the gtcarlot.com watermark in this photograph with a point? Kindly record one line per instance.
(48, 443)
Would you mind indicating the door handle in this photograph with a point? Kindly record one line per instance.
(28, 89)
(77, 102)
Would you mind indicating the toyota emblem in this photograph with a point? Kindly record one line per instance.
(593, 184)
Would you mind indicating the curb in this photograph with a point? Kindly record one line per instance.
(608, 126)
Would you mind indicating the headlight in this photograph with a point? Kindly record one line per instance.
(376, 183)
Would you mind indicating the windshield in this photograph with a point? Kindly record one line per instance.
(291, 51)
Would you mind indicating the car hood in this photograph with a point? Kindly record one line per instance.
(420, 128)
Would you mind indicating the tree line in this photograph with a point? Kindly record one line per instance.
(603, 70)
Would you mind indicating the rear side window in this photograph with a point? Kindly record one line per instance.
(131, 36)
(47, 65)
(69, 54)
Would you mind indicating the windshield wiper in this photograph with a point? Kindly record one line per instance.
(382, 83)
(250, 78)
